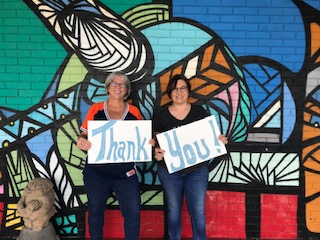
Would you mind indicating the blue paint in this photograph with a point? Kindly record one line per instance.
(164, 39)
(267, 24)
(289, 113)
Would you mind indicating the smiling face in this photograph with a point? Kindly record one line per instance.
(180, 93)
(117, 88)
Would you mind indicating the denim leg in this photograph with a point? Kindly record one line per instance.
(195, 187)
(97, 193)
(127, 192)
(172, 185)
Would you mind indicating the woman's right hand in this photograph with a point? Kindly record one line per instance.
(158, 154)
(83, 144)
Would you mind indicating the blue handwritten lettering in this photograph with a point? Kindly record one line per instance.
(189, 154)
(175, 152)
(141, 149)
(112, 147)
(216, 140)
(206, 154)
(131, 149)
(104, 128)
(119, 150)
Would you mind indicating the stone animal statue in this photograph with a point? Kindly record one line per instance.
(36, 204)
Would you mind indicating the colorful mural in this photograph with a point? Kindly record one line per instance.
(253, 65)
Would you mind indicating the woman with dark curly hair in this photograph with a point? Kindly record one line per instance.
(191, 182)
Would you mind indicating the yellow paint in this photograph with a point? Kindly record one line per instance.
(12, 217)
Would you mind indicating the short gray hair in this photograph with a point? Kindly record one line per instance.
(125, 78)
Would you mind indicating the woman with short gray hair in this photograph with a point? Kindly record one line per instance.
(121, 178)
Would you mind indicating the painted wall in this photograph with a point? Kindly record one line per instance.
(252, 64)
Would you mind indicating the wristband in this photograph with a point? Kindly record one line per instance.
(82, 136)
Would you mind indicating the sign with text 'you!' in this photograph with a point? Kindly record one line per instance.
(191, 144)
(119, 141)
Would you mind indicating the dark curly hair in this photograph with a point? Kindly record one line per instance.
(173, 83)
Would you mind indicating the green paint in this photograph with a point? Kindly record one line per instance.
(25, 47)
(120, 6)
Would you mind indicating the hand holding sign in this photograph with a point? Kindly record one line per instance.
(191, 144)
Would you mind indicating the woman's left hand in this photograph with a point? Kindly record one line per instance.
(158, 154)
(223, 139)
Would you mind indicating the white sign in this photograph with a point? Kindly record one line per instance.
(119, 141)
(191, 144)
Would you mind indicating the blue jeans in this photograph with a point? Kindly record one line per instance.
(193, 185)
(128, 195)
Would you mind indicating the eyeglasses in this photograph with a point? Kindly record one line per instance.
(181, 89)
(116, 84)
